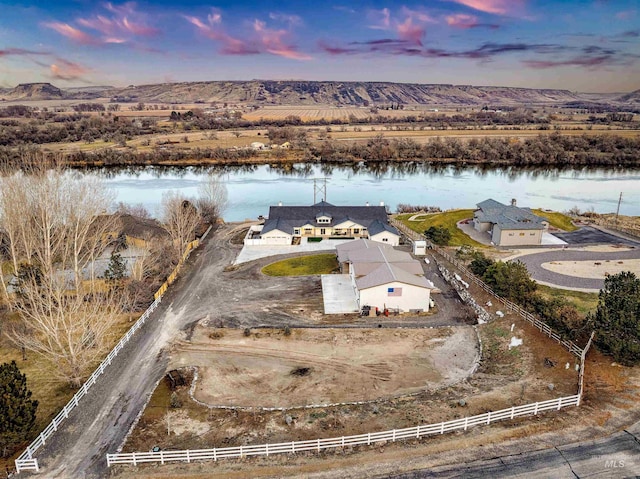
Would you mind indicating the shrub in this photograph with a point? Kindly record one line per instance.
(438, 235)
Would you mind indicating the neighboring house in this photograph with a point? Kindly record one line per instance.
(288, 224)
(509, 225)
(385, 278)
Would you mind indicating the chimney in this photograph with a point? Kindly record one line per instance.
(513, 202)
(367, 203)
(382, 203)
(279, 203)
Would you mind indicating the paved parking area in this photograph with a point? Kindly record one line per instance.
(338, 294)
(250, 253)
(590, 235)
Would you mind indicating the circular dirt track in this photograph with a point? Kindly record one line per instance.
(324, 366)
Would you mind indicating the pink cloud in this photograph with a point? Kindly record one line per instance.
(497, 7)
(72, 33)
(407, 30)
(411, 28)
(66, 70)
(272, 41)
(265, 40)
(125, 21)
(230, 45)
(461, 20)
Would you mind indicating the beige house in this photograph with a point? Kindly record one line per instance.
(385, 278)
(288, 224)
(509, 225)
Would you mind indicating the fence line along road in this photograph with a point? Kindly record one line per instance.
(318, 445)
(26, 461)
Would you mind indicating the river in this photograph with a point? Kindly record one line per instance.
(252, 189)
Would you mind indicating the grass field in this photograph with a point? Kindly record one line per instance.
(303, 266)
(584, 302)
(557, 220)
(448, 219)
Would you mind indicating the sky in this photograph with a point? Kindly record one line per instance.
(578, 45)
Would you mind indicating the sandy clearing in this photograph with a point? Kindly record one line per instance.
(333, 365)
(596, 269)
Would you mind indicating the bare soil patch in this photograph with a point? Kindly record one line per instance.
(593, 269)
(320, 366)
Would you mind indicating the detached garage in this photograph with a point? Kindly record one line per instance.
(385, 278)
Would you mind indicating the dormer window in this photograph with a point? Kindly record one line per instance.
(323, 220)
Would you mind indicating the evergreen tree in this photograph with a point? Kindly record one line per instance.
(510, 280)
(438, 235)
(18, 410)
(117, 268)
(617, 318)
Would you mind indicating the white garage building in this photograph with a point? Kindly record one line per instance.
(385, 278)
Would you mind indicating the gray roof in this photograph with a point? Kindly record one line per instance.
(286, 218)
(388, 273)
(508, 217)
(378, 227)
(375, 264)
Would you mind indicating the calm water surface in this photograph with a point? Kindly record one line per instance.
(253, 189)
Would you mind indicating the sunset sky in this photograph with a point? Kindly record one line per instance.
(583, 45)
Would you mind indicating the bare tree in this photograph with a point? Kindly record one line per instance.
(180, 218)
(71, 330)
(58, 229)
(212, 198)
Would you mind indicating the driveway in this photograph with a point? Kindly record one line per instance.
(535, 261)
(338, 294)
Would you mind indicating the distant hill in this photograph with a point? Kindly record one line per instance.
(632, 98)
(339, 93)
(291, 92)
(34, 91)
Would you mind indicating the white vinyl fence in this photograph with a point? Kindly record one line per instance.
(26, 461)
(318, 445)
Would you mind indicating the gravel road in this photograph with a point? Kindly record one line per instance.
(240, 298)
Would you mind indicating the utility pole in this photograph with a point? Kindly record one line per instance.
(618, 210)
(320, 189)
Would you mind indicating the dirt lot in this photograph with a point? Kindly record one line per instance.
(320, 366)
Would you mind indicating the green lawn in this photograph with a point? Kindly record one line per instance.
(448, 219)
(584, 302)
(303, 266)
(557, 220)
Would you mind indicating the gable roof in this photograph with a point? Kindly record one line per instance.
(388, 273)
(378, 226)
(508, 217)
(290, 217)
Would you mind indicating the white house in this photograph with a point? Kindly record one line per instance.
(385, 278)
(287, 224)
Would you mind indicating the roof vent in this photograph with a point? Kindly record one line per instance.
(279, 203)
(367, 203)
(382, 203)
(513, 202)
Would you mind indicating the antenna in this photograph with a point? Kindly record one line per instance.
(319, 189)
(618, 210)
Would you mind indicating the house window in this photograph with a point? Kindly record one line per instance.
(510, 234)
(356, 231)
(394, 292)
(521, 234)
(307, 231)
(324, 221)
(532, 234)
(323, 231)
(296, 231)
(384, 240)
